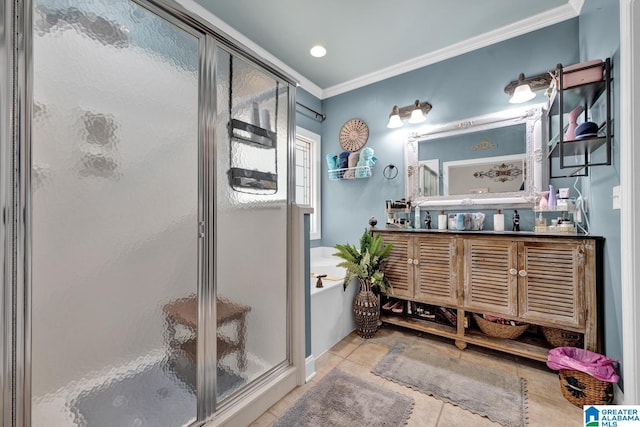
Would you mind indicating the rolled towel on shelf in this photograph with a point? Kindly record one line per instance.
(352, 163)
(332, 164)
(343, 163)
(365, 162)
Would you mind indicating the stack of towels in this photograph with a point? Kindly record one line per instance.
(349, 165)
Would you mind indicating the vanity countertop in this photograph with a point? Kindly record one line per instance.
(560, 235)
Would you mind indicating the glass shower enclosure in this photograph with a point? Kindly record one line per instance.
(114, 213)
(156, 199)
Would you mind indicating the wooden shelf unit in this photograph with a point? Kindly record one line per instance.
(549, 281)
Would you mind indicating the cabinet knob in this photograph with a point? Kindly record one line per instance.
(415, 262)
(522, 273)
(513, 271)
(409, 261)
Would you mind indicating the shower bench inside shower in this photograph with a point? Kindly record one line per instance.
(184, 312)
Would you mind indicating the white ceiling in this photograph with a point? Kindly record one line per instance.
(370, 40)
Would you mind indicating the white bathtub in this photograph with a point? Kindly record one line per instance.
(331, 307)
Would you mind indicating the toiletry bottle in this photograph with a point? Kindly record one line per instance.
(498, 221)
(460, 221)
(541, 222)
(416, 221)
(552, 196)
(516, 221)
(451, 221)
(442, 221)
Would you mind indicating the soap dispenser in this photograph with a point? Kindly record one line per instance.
(427, 221)
(541, 222)
(516, 221)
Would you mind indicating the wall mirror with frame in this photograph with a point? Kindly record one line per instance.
(487, 161)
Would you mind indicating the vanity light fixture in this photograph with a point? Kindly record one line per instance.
(417, 116)
(394, 118)
(521, 90)
(413, 113)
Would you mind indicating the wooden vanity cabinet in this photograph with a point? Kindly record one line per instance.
(423, 268)
(535, 281)
(399, 268)
(545, 281)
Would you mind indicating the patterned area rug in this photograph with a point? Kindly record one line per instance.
(499, 396)
(340, 400)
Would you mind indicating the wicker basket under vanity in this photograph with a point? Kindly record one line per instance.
(561, 338)
(499, 330)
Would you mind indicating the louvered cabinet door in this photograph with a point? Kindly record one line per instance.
(399, 268)
(436, 272)
(490, 276)
(551, 287)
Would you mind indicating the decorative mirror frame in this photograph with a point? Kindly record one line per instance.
(536, 178)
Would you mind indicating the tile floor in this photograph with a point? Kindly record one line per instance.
(547, 407)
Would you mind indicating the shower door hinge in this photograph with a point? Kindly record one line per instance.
(201, 229)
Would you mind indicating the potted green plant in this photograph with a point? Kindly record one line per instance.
(367, 265)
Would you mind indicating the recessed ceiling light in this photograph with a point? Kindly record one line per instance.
(318, 51)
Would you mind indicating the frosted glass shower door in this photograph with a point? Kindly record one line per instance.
(114, 218)
(250, 222)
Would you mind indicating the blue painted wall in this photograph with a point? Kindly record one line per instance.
(464, 86)
(468, 85)
(309, 121)
(305, 118)
(599, 38)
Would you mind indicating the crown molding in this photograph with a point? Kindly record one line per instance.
(577, 5)
(536, 22)
(229, 31)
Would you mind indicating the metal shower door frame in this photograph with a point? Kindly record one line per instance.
(16, 90)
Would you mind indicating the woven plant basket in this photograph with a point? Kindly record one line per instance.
(581, 389)
(498, 330)
(562, 338)
(366, 310)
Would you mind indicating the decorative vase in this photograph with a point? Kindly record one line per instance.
(366, 310)
(544, 202)
(570, 135)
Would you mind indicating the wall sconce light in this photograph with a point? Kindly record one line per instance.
(394, 118)
(521, 90)
(413, 114)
